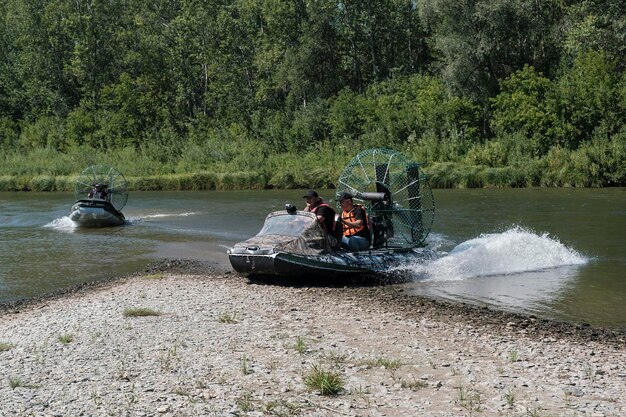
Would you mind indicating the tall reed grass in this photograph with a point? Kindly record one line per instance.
(598, 163)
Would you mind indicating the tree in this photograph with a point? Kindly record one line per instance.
(380, 39)
(33, 49)
(481, 42)
(596, 25)
(93, 25)
(588, 97)
(526, 105)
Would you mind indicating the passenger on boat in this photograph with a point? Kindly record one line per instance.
(325, 214)
(356, 233)
(98, 191)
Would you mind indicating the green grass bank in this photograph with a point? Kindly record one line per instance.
(252, 165)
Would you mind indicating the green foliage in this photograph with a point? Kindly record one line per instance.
(598, 163)
(344, 117)
(244, 94)
(308, 127)
(9, 134)
(595, 25)
(45, 132)
(492, 154)
(80, 126)
(39, 161)
(414, 110)
(8, 183)
(482, 42)
(526, 106)
(318, 169)
(588, 99)
(584, 102)
(42, 183)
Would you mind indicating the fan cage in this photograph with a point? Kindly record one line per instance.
(405, 216)
(116, 186)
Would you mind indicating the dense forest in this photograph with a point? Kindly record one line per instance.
(195, 94)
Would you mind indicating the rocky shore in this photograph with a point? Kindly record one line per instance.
(191, 342)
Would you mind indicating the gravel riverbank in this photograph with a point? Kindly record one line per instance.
(223, 345)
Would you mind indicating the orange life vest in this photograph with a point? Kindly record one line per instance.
(349, 216)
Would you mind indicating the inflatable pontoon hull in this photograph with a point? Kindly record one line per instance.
(334, 264)
(96, 213)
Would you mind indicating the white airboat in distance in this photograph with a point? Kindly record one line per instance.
(100, 193)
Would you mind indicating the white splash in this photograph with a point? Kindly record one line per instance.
(62, 223)
(514, 251)
(435, 241)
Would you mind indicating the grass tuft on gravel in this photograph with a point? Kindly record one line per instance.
(140, 312)
(18, 383)
(390, 364)
(157, 276)
(413, 385)
(300, 345)
(281, 407)
(228, 317)
(5, 346)
(327, 382)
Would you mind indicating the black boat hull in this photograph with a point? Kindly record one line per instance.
(335, 264)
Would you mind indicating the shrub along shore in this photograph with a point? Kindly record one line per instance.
(441, 175)
(599, 164)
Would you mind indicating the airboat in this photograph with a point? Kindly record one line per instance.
(100, 194)
(398, 200)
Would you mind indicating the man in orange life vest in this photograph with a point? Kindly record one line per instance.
(325, 214)
(356, 233)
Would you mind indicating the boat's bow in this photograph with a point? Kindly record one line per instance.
(95, 213)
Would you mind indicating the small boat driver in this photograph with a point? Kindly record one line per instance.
(325, 214)
(98, 191)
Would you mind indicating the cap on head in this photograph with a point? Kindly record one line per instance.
(344, 196)
(310, 194)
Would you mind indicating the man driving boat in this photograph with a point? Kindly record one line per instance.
(325, 214)
(98, 191)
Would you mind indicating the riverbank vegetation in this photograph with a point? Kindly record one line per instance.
(239, 94)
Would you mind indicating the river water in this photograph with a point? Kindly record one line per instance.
(555, 253)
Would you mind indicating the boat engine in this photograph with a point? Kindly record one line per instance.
(380, 222)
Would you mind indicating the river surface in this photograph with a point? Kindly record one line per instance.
(554, 253)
